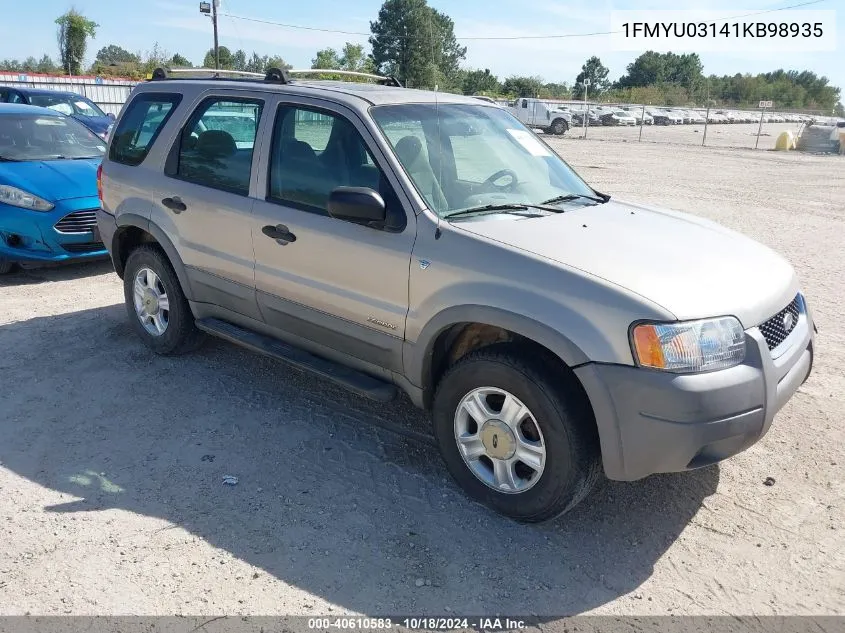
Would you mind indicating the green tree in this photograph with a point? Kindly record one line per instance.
(226, 59)
(839, 110)
(597, 73)
(178, 61)
(114, 54)
(276, 62)
(256, 63)
(516, 86)
(480, 82)
(72, 35)
(326, 58)
(354, 58)
(416, 43)
(46, 65)
(239, 60)
(156, 57)
(555, 91)
(12, 65)
(30, 65)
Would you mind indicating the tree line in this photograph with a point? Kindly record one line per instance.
(416, 43)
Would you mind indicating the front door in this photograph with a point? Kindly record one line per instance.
(342, 286)
(205, 193)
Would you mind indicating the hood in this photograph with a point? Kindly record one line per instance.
(691, 267)
(97, 124)
(53, 180)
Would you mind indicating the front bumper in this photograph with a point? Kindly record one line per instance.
(657, 422)
(31, 236)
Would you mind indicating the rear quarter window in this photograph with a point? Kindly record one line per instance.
(140, 125)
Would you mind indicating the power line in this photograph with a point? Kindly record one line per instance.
(500, 37)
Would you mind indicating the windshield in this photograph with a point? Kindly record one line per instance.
(465, 156)
(24, 137)
(67, 105)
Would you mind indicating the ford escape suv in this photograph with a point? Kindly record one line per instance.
(393, 239)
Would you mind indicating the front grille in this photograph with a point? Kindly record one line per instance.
(776, 329)
(77, 222)
(83, 247)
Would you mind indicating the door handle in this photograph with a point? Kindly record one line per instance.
(175, 204)
(280, 233)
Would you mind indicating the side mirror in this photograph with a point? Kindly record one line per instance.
(361, 205)
(111, 116)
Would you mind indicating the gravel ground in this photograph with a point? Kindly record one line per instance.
(112, 459)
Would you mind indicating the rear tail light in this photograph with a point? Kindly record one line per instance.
(100, 184)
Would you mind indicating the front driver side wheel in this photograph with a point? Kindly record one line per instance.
(516, 434)
(156, 305)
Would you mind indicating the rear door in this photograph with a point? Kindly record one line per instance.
(204, 194)
(341, 286)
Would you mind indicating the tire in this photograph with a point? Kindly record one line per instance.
(179, 335)
(559, 127)
(557, 407)
(6, 266)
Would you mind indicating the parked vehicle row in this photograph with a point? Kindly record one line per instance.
(540, 114)
(71, 104)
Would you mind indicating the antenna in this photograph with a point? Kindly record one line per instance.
(437, 231)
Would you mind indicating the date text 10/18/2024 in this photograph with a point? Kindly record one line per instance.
(418, 623)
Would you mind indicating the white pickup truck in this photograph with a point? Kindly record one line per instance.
(546, 116)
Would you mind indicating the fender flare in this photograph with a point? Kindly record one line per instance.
(419, 356)
(127, 220)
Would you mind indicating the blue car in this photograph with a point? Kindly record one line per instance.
(48, 187)
(70, 103)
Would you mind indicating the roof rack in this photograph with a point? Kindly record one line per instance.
(382, 79)
(274, 75)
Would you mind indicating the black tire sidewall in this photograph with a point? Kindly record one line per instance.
(559, 124)
(180, 324)
(566, 465)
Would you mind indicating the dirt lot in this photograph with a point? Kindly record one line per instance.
(112, 459)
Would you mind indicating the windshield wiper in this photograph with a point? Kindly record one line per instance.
(498, 208)
(6, 159)
(601, 198)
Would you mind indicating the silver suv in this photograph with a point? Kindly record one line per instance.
(390, 238)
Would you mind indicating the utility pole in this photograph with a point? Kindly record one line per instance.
(210, 9)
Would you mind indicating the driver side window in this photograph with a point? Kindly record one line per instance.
(313, 152)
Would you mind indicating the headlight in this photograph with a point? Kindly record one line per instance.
(20, 198)
(691, 346)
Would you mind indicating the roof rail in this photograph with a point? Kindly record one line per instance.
(275, 75)
(382, 79)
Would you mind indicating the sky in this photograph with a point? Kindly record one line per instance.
(27, 29)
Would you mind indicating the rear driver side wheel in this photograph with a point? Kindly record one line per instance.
(516, 434)
(156, 305)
